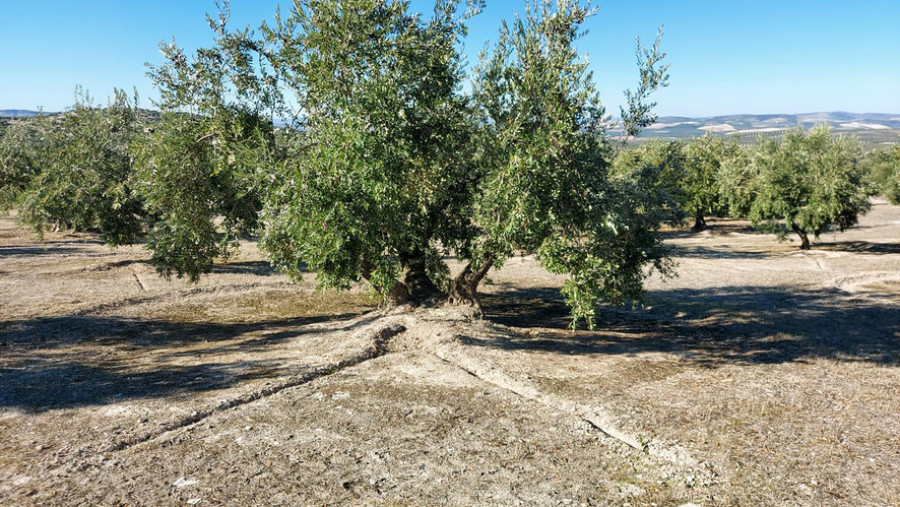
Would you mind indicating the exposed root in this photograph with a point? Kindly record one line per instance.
(593, 416)
(437, 332)
(140, 283)
(433, 331)
(380, 340)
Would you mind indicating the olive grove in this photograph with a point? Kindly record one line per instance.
(388, 164)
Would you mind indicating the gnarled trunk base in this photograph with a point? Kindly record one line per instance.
(413, 288)
(804, 238)
(699, 224)
(464, 288)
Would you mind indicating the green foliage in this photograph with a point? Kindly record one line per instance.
(203, 171)
(882, 168)
(399, 167)
(659, 168)
(653, 76)
(81, 168)
(808, 183)
(20, 155)
(546, 187)
(391, 165)
(386, 175)
(704, 158)
(201, 178)
(684, 175)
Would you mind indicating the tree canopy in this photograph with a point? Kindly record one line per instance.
(883, 169)
(79, 169)
(808, 183)
(401, 168)
(704, 158)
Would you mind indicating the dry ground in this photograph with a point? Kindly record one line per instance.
(762, 375)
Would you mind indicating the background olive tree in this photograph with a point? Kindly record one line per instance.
(704, 157)
(660, 167)
(883, 170)
(808, 183)
(20, 155)
(80, 170)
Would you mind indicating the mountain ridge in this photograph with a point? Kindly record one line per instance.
(871, 128)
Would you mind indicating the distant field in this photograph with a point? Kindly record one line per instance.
(873, 130)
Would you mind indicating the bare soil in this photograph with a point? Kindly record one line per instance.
(762, 375)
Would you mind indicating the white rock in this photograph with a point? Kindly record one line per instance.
(182, 482)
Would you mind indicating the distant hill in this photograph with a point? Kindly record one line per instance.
(870, 128)
(19, 113)
(149, 115)
(873, 129)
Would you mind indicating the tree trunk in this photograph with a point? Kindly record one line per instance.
(804, 238)
(414, 287)
(415, 278)
(699, 223)
(464, 288)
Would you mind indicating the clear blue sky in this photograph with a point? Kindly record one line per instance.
(751, 56)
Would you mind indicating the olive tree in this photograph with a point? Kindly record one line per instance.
(807, 183)
(660, 168)
(20, 155)
(81, 168)
(384, 186)
(546, 185)
(203, 169)
(883, 170)
(704, 157)
(402, 168)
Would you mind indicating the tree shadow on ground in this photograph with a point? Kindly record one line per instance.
(56, 385)
(726, 325)
(107, 266)
(860, 247)
(703, 252)
(72, 361)
(29, 251)
(259, 268)
(713, 229)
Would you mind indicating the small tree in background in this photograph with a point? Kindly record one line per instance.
(20, 157)
(883, 170)
(659, 167)
(704, 158)
(80, 171)
(808, 183)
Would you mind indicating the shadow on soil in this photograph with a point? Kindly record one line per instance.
(11, 251)
(73, 361)
(728, 325)
(259, 268)
(702, 252)
(713, 229)
(863, 247)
